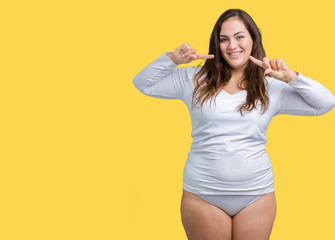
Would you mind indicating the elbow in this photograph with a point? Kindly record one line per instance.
(141, 87)
(137, 84)
(331, 104)
(135, 81)
(326, 108)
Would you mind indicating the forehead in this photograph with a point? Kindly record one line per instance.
(232, 26)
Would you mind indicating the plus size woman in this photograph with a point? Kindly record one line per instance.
(228, 182)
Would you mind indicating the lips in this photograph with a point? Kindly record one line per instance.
(234, 54)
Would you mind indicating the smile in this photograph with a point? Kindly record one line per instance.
(233, 54)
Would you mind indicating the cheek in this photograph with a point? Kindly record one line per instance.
(247, 46)
(222, 50)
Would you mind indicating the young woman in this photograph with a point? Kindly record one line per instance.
(228, 182)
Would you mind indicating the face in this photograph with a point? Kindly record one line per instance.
(235, 43)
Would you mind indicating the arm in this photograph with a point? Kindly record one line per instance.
(159, 79)
(299, 95)
(306, 97)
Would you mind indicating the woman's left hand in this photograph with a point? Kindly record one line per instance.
(275, 68)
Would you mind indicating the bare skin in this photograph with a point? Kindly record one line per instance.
(255, 221)
(204, 221)
(233, 86)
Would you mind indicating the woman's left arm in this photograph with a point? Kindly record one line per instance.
(306, 97)
(300, 95)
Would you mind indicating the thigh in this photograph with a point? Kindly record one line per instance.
(255, 221)
(202, 220)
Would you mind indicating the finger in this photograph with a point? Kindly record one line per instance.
(278, 65)
(189, 52)
(181, 48)
(188, 56)
(266, 63)
(273, 63)
(187, 47)
(268, 71)
(282, 64)
(192, 50)
(181, 51)
(205, 56)
(191, 57)
(256, 61)
(184, 48)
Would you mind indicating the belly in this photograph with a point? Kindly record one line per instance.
(227, 175)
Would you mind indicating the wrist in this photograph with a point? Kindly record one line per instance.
(172, 57)
(292, 76)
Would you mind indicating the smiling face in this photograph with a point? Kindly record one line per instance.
(235, 43)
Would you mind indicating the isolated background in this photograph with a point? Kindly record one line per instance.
(85, 155)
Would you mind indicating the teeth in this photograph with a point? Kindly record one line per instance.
(233, 54)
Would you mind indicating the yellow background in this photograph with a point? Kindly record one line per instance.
(85, 155)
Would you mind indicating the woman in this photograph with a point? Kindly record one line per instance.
(228, 183)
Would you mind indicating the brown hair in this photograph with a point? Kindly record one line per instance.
(218, 72)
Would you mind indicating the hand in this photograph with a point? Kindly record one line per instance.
(186, 54)
(276, 68)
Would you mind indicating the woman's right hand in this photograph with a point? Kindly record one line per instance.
(185, 53)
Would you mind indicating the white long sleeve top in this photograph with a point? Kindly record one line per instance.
(228, 153)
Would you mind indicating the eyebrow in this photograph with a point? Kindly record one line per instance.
(234, 34)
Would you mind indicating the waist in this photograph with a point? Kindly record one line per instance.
(229, 167)
(226, 176)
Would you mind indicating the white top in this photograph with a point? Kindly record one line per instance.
(228, 154)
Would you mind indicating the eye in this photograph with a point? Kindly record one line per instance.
(223, 39)
(240, 37)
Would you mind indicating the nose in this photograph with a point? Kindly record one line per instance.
(232, 44)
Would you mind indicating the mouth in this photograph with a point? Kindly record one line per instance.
(234, 54)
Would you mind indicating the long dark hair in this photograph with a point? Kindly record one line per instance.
(217, 71)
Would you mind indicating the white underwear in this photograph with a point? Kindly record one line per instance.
(231, 204)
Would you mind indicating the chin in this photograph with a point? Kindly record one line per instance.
(237, 66)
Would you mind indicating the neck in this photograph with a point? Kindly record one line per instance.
(237, 77)
(237, 73)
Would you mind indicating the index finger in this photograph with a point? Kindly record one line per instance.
(257, 62)
(205, 56)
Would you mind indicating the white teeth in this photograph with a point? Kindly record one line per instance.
(233, 54)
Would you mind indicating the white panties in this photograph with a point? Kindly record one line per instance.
(231, 204)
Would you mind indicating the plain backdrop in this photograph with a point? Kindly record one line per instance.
(85, 155)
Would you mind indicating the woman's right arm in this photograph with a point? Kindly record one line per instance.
(160, 79)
